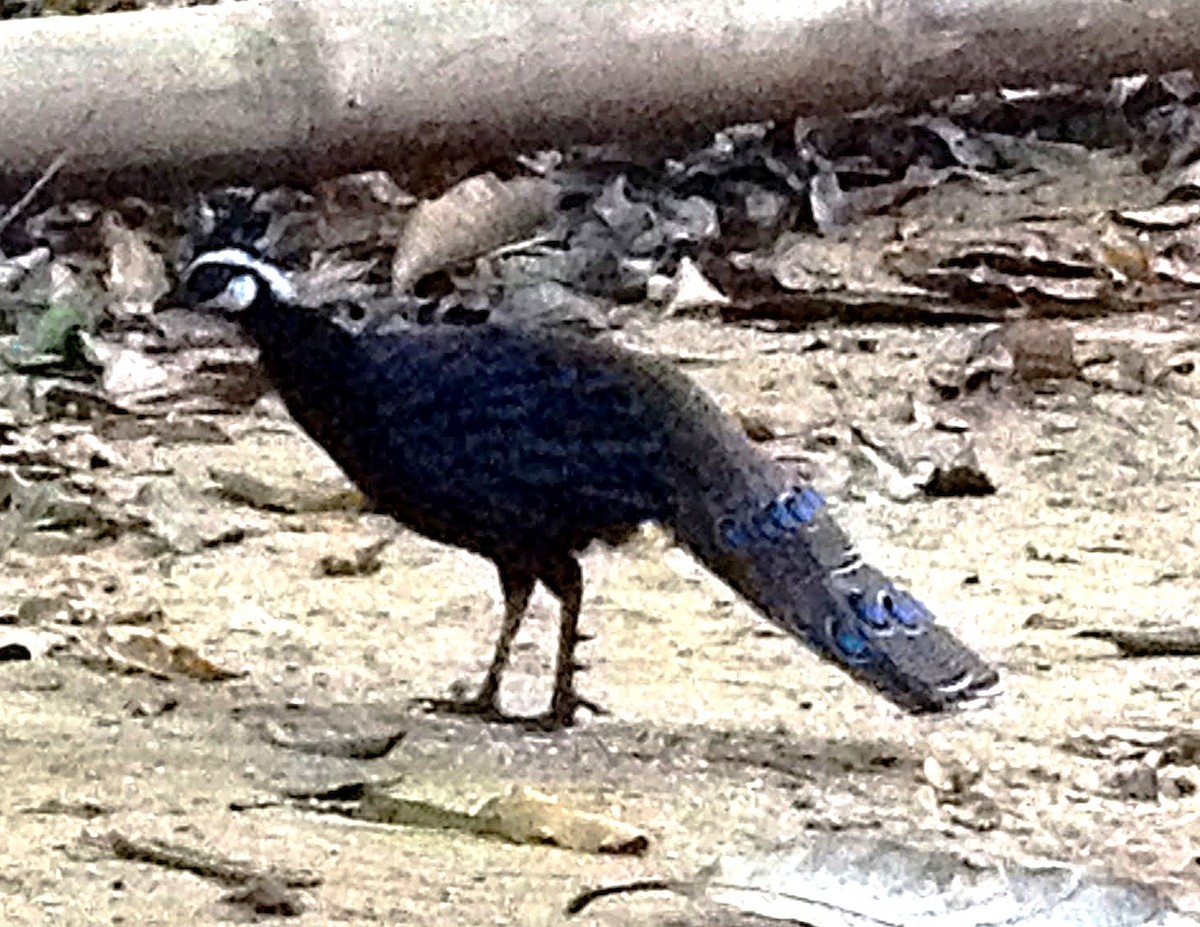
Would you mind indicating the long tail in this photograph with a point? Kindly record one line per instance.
(783, 552)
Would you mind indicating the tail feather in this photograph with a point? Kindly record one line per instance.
(791, 561)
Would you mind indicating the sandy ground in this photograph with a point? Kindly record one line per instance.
(723, 737)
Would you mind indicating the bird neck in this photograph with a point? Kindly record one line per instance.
(299, 346)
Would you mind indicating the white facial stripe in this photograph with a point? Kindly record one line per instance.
(281, 287)
(242, 290)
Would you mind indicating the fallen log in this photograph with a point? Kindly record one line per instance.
(433, 89)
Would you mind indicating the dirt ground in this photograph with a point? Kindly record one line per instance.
(724, 736)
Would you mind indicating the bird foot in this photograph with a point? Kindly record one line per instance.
(481, 706)
(562, 712)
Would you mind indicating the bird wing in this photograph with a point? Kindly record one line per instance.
(518, 431)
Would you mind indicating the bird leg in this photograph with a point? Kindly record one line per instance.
(565, 581)
(518, 587)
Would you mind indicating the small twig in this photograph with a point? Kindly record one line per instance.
(47, 175)
(201, 862)
(1157, 642)
(583, 899)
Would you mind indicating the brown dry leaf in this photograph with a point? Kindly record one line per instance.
(1161, 218)
(181, 522)
(1057, 249)
(805, 263)
(335, 495)
(1175, 747)
(330, 275)
(475, 217)
(132, 375)
(333, 743)
(1176, 269)
(15, 269)
(137, 274)
(141, 650)
(1127, 254)
(693, 291)
(1066, 264)
(528, 816)
(824, 278)
(372, 187)
(1177, 258)
(1041, 350)
(354, 210)
(375, 805)
(523, 815)
(363, 561)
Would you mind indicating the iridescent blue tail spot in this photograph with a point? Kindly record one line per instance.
(853, 644)
(786, 514)
(803, 504)
(887, 611)
(874, 611)
(909, 612)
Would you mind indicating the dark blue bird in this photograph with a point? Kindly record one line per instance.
(526, 444)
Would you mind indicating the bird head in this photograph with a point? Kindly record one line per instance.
(232, 283)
